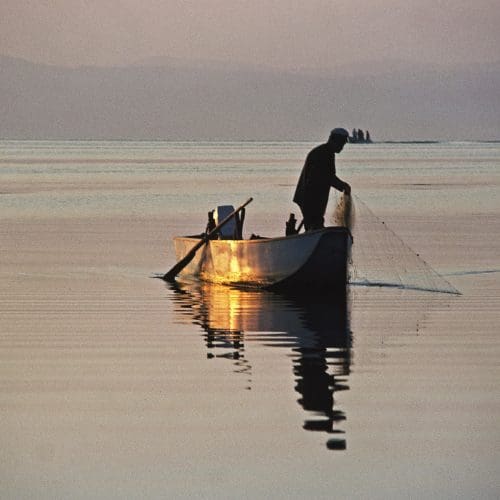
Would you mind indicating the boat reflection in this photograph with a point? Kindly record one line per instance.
(315, 329)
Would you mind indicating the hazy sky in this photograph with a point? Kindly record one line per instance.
(278, 33)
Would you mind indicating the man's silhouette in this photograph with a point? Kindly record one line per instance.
(318, 175)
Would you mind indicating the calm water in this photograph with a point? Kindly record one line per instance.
(116, 385)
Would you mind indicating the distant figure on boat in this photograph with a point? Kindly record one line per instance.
(316, 178)
(359, 137)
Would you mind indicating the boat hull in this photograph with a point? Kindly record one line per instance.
(312, 260)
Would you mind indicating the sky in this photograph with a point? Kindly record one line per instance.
(320, 35)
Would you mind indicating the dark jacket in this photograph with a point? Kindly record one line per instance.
(316, 178)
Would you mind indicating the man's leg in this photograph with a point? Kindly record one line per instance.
(313, 222)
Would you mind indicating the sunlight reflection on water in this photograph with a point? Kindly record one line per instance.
(314, 329)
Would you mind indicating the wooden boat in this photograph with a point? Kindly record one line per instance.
(314, 260)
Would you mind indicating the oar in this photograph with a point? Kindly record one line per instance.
(177, 268)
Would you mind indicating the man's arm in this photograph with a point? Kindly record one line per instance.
(340, 185)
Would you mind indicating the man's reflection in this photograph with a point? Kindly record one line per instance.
(316, 329)
(320, 366)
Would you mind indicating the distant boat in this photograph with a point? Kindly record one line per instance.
(311, 261)
(359, 137)
(352, 140)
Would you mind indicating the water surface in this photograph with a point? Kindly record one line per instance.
(117, 385)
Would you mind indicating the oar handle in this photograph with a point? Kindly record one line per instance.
(177, 268)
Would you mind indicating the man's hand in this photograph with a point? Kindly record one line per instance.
(347, 189)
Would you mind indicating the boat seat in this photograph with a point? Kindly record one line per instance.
(233, 229)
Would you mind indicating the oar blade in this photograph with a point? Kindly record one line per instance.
(177, 268)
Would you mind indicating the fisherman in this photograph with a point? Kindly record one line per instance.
(316, 178)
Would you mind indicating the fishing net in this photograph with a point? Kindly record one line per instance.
(379, 257)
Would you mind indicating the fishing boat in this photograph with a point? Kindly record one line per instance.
(314, 259)
(310, 261)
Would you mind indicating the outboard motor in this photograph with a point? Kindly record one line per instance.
(232, 229)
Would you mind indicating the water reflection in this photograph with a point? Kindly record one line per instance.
(314, 329)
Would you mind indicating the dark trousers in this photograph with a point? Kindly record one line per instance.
(313, 221)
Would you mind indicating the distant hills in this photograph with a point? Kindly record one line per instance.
(170, 100)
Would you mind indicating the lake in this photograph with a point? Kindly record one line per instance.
(114, 384)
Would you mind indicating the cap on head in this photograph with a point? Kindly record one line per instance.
(340, 132)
